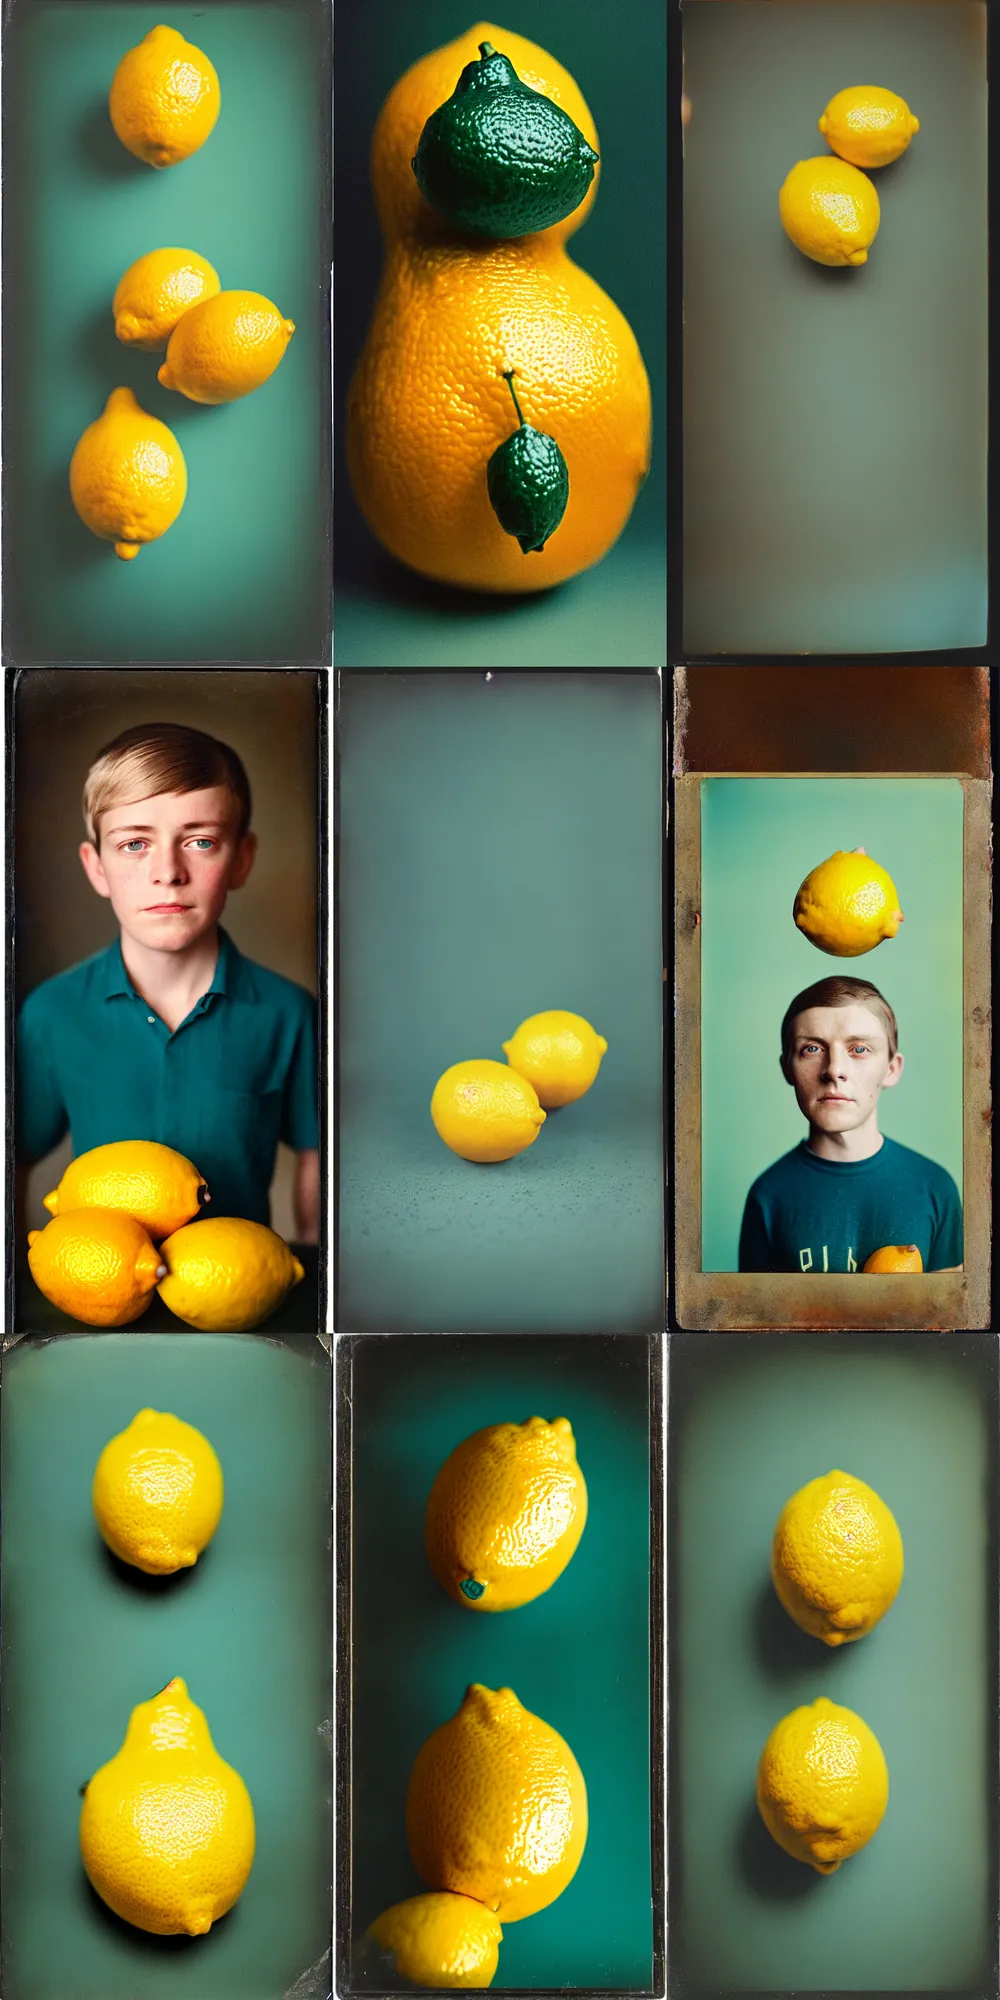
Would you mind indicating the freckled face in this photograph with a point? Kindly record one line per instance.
(167, 864)
(839, 1065)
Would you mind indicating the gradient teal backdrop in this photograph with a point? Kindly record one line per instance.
(760, 838)
(615, 614)
(85, 1638)
(578, 1656)
(835, 421)
(500, 853)
(243, 575)
(751, 1422)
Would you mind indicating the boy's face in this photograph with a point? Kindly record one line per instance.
(839, 1064)
(167, 864)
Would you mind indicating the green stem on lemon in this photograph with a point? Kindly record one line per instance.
(508, 376)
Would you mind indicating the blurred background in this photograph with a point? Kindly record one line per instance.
(760, 837)
(62, 719)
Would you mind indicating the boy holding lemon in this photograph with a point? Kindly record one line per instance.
(846, 1190)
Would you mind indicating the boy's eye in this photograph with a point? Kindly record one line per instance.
(860, 1049)
(130, 846)
(204, 840)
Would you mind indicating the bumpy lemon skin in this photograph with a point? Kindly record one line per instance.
(127, 476)
(830, 211)
(164, 99)
(441, 1940)
(227, 1275)
(225, 347)
(836, 1558)
(505, 1514)
(139, 1177)
(868, 126)
(96, 1265)
(497, 1807)
(167, 1833)
(822, 1785)
(485, 1112)
(847, 905)
(157, 1493)
(155, 292)
(559, 1053)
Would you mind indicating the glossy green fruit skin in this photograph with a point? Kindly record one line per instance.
(528, 481)
(500, 160)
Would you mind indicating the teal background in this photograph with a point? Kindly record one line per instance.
(615, 614)
(243, 575)
(834, 421)
(578, 1656)
(751, 1422)
(248, 1628)
(499, 853)
(760, 839)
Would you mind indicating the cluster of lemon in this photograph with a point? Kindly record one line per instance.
(127, 476)
(487, 1111)
(504, 1517)
(828, 207)
(836, 1564)
(98, 1259)
(157, 1498)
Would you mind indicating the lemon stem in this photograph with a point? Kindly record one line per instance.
(486, 49)
(508, 376)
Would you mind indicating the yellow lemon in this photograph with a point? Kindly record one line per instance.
(505, 1513)
(441, 1940)
(895, 1257)
(157, 1493)
(227, 1275)
(847, 905)
(822, 1784)
(830, 210)
(497, 1807)
(867, 125)
(836, 1558)
(225, 347)
(140, 1178)
(559, 1053)
(155, 291)
(164, 98)
(127, 476)
(167, 1828)
(96, 1265)
(485, 1112)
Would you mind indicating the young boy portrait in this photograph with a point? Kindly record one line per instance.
(171, 1033)
(846, 1190)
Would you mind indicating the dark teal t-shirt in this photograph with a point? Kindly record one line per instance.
(237, 1076)
(808, 1214)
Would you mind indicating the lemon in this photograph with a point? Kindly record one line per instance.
(830, 210)
(895, 1257)
(225, 347)
(155, 291)
(96, 1265)
(822, 1784)
(559, 1053)
(441, 1940)
(867, 125)
(127, 476)
(485, 1112)
(505, 1513)
(157, 1493)
(497, 1807)
(836, 1558)
(226, 1275)
(167, 1831)
(847, 905)
(164, 98)
(140, 1178)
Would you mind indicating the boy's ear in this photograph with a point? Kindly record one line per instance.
(94, 868)
(894, 1071)
(246, 854)
(783, 1066)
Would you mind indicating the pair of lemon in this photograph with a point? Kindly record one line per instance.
(836, 1565)
(828, 207)
(488, 1111)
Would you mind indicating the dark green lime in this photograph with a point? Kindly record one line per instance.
(499, 159)
(528, 481)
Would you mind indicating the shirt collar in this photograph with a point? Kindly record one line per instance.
(233, 977)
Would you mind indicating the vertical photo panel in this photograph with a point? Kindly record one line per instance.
(835, 379)
(500, 1003)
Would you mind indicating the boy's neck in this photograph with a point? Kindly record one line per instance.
(172, 981)
(861, 1144)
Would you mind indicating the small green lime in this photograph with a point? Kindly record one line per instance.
(499, 159)
(528, 482)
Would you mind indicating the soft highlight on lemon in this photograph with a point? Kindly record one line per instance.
(559, 1054)
(822, 1785)
(485, 1112)
(836, 1558)
(157, 1493)
(830, 211)
(441, 1940)
(868, 126)
(505, 1514)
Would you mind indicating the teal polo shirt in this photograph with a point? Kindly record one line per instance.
(238, 1074)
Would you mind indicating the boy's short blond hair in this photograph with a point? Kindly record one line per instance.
(833, 992)
(160, 757)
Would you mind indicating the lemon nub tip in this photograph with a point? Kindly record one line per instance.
(51, 1202)
(858, 257)
(126, 550)
(289, 326)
